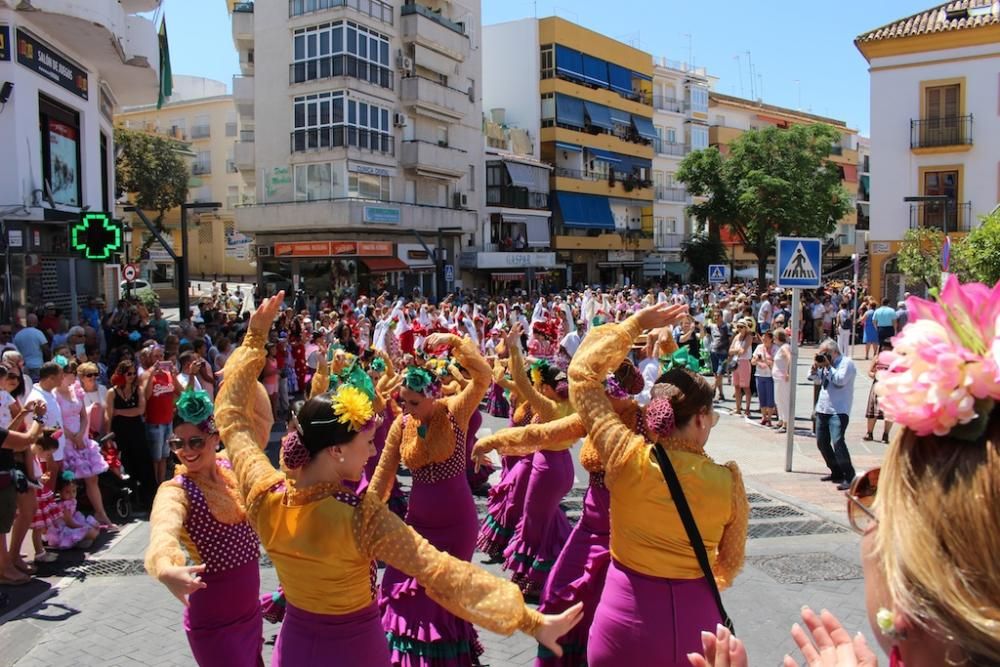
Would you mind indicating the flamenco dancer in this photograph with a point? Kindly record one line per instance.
(543, 528)
(656, 599)
(430, 439)
(323, 539)
(200, 515)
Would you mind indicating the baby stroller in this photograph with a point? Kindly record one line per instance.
(116, 492)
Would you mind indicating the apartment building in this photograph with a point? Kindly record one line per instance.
(65, 67)
(730, 117)
(593, 116)
(201, 113)
(680, 119)
(935, 127)
(373, 142)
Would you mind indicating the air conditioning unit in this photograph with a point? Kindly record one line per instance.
(461, 200)
(399, 119)
(263, 251)
(404, 63)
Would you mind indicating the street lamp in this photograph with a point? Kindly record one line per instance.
(183, 285)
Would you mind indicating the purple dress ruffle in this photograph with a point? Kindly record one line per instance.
(479, 478)
(422, 633)
(579, 574)
(496, 402)
(505, 506)
(543, 528)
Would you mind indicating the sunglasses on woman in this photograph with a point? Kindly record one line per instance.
(860, 499)
(88, 375)
(194, 443)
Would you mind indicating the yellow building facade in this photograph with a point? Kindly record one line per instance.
(203, 116)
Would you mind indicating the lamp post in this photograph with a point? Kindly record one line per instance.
(183, 285)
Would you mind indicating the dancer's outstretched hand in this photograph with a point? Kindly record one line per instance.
(266, 312)
(555, 626)
(661, 315)
(182, 581)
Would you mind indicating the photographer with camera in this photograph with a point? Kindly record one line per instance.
(836, 374)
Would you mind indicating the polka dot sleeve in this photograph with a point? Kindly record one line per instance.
(166, 522)
(732, 546)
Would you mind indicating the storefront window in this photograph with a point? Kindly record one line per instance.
(60, 128)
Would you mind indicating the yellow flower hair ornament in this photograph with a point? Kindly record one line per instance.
(353, 407)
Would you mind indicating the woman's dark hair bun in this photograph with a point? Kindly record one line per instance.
(319, 426)
(688, 392)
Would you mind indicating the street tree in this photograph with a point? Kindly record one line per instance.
(774, 182)
(919, 256)
(978, 254)
(699, 252)
(153, 171)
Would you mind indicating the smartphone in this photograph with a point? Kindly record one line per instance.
(164, 366)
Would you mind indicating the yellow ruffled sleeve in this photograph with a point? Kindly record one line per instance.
(601, 351)
(732, 546)
(554, 436)
(388, 462)
(544, 408)
(465, 590)
(254, 473)
(462, 405)
(166, 523)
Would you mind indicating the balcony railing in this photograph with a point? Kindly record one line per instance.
(948, 216)
(342, 64)
(515, 197)
(201, 131)
(427, 12)
(323, 138)
(669, 148)
(243, 8)
(380, 11)
(663, 103)
(935, 132)
(666, 241)
(671, 194)
(201, 168)
(247, 136)
(579, 174)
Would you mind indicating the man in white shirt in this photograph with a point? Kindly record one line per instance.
(764, 314)
(49, 377)
(571, 341)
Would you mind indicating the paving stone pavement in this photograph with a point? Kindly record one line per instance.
(131, 620)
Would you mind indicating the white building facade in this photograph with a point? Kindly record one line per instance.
(373, 138)
(65, 66)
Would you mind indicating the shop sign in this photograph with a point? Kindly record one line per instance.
(278, 184)
(503, 260)
(880, 247)
(15, 238)
(370, 169)
(621, 255)
(4, 42)
(386, 215)
(49, 63)
(343, 248)
(302, 249)
(238, 245)
(375, 249)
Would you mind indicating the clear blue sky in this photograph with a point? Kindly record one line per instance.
(789, 41)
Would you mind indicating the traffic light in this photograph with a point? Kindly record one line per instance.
(96, 236)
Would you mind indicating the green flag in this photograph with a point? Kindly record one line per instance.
(166, 76)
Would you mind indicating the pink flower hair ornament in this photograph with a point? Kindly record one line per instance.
(943, 374)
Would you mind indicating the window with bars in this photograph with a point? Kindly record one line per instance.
(328, 120)
(341, 48)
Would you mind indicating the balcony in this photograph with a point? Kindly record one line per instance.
(243, 24)
(201, 168)
(662, 103)
(620, 184)
(424, 26)
(667, 148)
(948, 216)
(435, 160)
(515, 197)
(600, 242)
(380, 11)
(342, 136)
(341, 64)
(243, 156)
(672, 194)
(201, 131)
(953, 132)
(243, 95)
(722, 135)
(349, 214)
(668, 242)
(430, 98)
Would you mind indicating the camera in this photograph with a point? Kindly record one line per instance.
(821, 358)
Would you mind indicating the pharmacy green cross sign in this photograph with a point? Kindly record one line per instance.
(96, 236)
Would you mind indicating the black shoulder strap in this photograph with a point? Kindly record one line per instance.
(694, 536)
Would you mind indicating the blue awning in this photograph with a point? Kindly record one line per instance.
(595, 70)
(644, 126)
(621, 78)
(584, 211)
(569, 110)
(607, 156)
(640, 75)
(629, 164)
(568, 147)
(620, 117)
(569, 62)
(600, 115)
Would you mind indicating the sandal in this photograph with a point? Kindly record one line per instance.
(27, 568)
(868, 437)
(7, 581)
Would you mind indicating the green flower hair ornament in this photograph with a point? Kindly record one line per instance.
(195, 407)
(419, 380)
(681, 359)
(378, 365)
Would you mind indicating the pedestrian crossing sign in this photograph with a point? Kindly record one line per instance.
(799, 262)
(718, 273)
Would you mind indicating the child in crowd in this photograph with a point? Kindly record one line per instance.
(70, 528)
(47, 510)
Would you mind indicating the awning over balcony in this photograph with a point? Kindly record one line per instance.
(606, 156)
(385, 264)
(569, 62)
(644, 126)
(595, 70)
(537, 228)
(569, 110)
(521, 175)
(850, 173)
(621, 78)
(584, 211)
(600, 115)
(568, 147)
(620, 117)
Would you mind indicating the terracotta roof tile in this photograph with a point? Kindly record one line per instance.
(956, 15)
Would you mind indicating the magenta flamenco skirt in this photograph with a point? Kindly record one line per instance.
(505, 506)
(397, 499)
(543, 529)
(223, 622)
(482, 477)
(578, 576)
(496, 402)
(644, 620)
(422, 633)
(325, 640)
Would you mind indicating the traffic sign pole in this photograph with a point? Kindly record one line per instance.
(792, 379)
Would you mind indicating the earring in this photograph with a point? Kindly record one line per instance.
(341, 459)
(886, 620)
